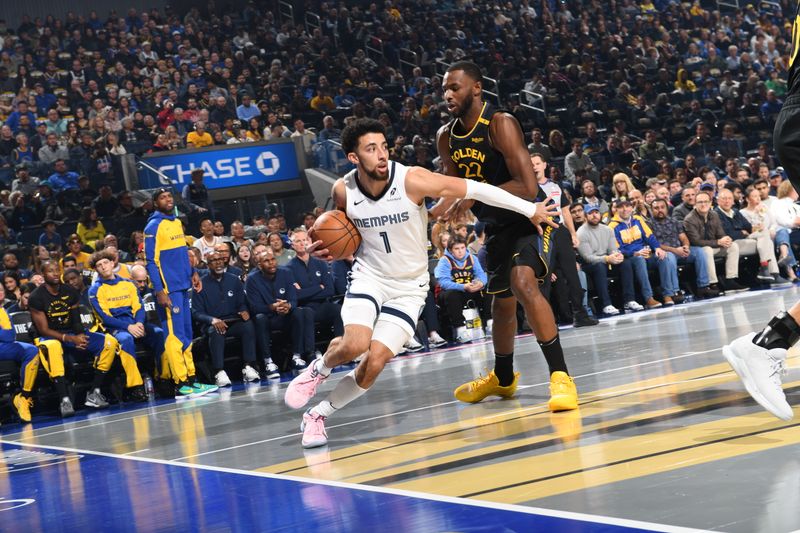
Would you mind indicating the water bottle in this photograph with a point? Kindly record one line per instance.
(148, 387)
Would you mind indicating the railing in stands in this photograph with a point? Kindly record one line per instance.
(285, 12)
(732, 4)
(533, 101)
(408, 60)
(312, 22)
(441, 67)
(374, 47)
(330, 156)
(491, 90)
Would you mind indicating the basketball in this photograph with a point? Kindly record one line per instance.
(337, 233)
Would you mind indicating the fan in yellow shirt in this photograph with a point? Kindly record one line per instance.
(199, 137)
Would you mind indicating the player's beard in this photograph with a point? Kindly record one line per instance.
(377, 176)
(462, 108)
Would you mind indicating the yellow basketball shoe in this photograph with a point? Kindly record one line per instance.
(23, 406)
(563, 394)
(483, 386)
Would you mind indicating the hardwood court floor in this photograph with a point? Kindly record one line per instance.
(665, 438)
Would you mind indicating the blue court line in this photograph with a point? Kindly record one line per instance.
(61, 489)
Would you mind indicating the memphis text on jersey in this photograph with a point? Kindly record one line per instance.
(383, 220)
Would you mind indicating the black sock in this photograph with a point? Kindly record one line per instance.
(99, 377)
(554, 355)
(781, 332)
(61, 388)
(504, 368)
(26, 394)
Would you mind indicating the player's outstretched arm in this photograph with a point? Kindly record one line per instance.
(447, 207)
(421, 182)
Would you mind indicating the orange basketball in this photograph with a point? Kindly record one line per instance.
(337, 233)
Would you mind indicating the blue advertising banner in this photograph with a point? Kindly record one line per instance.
(225, 166)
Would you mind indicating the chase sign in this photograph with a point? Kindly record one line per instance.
(224, 166)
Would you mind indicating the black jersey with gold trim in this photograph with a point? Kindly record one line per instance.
(794, 75)
(474, 158)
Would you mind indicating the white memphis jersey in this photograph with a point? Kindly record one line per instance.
(394, 230)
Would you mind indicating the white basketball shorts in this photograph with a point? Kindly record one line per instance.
(389, 307)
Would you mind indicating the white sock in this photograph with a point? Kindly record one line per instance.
(321, 368)
(345, 392)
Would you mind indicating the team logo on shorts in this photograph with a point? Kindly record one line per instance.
(230, 294)
(176, 309)
(281, 291)
(319, 274)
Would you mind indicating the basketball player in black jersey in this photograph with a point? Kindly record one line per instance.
(759, 358)
(487, 145)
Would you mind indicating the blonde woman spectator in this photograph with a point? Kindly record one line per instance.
(558, 146)
(621, 186)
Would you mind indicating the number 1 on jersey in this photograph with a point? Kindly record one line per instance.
(385, 237)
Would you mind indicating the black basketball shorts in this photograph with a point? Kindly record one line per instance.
(515, 245)
(786, 138)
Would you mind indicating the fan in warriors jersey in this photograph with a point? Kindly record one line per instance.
(482, 144)
(760, 358)
(389, 278)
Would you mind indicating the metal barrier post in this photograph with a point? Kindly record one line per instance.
(373, 45)
(285, 11)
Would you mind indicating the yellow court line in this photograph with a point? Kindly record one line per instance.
(588, 466)
(566, 431)
(410, 447)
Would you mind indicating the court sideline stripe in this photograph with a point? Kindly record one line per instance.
(433, 406)
(630, 460)
(568, 515)
(540, 411)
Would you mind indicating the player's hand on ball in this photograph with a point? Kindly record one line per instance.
(314, 250)
(545, 211)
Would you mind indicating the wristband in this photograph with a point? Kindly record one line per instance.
(63, 337)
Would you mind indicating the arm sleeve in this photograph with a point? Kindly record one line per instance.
(6, 328)
(150, 256)
(488, 194)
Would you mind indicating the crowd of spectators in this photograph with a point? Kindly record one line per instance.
(653, 116)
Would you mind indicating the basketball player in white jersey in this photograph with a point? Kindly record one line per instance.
(389, 278)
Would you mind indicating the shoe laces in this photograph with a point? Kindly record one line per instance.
(481, 380)
(777, 369)
(560, 384)
(26, 400)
